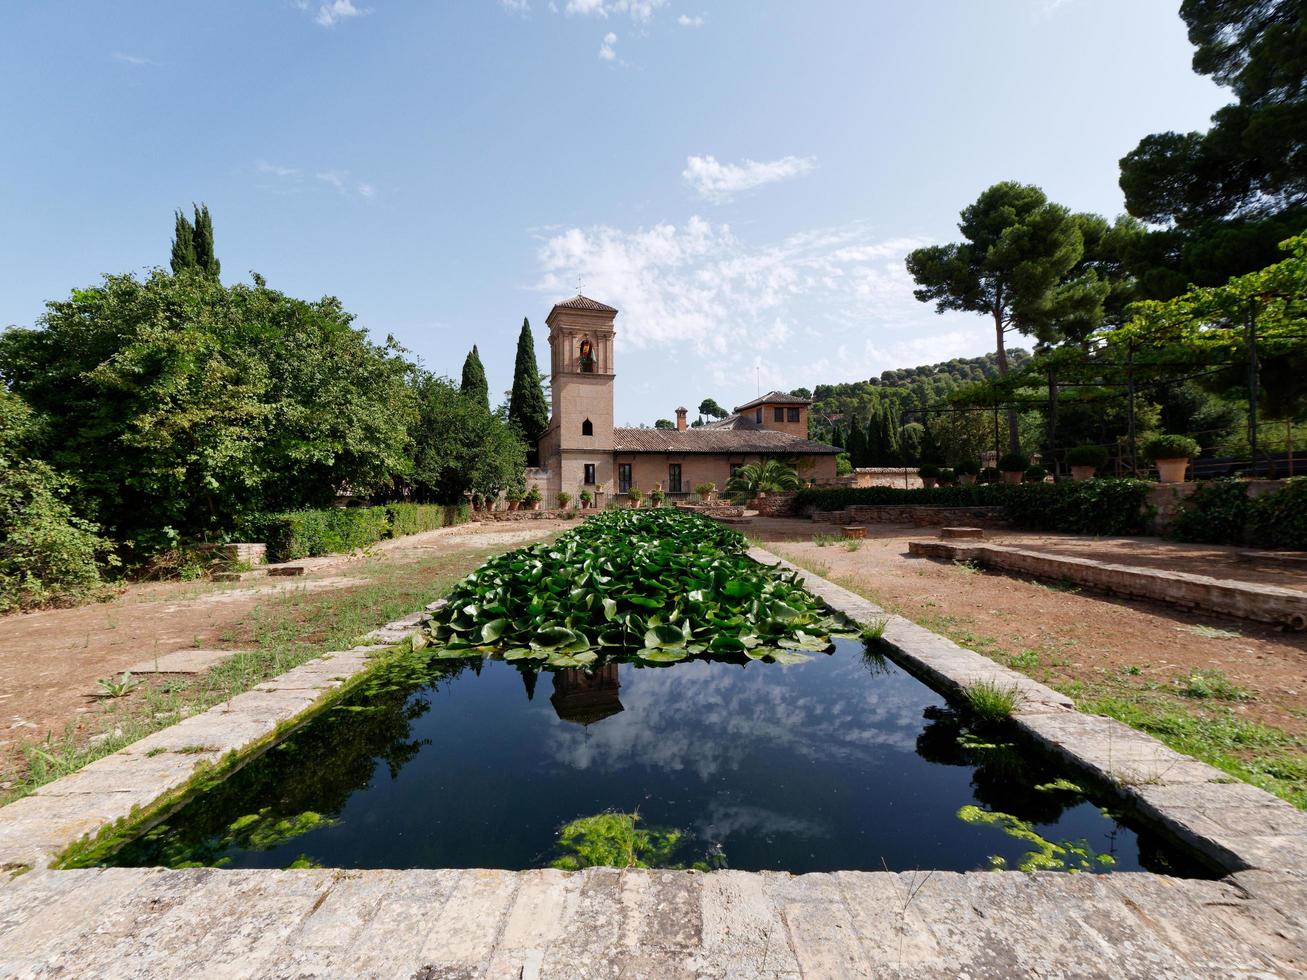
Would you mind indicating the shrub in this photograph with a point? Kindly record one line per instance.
(657, 495)
(947, 477)
(633, 495)
(1279, 520)
(417, 518)
(533, 496)
(1170, 447)
(928, 471)
(1215, 513)
(587, 497)
(1036, 474)
(705, 490)
(564, 498)
(1013, 463)
(990, 474)
(843, 464)
(305, 533)
(1095, 456)
(967, 467)
(1079, 507)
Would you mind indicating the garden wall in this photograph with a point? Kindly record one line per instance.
(917, 514)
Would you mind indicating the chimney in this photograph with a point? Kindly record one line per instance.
(680, 419)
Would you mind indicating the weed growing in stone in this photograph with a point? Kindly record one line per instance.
(991, 701)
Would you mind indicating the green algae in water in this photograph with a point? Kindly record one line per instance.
(1044, 855)
(614, 840)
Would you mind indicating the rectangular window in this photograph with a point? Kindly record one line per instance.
(623, 477)
(673, 477)
(589, 474)
(778, 415)
(757, 416)
(791, 415)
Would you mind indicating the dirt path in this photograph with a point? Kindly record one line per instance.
(50, 660)
(1077, 640)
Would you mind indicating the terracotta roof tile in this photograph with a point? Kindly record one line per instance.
(579, 302)
(705, 439)
(774, 398)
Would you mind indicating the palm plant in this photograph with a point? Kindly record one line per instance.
(769, 476)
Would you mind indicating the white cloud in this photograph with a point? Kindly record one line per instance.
(264, 167)
(606, 52)
(719, 182)
(332, 13)
(366, 190)
(131, 59)
(293, 180)
(1047, 8)
(685, 20)
(516, 6)
(640, 11)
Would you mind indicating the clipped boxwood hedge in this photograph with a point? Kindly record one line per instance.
(1076, 507)
(1215, 513)
(1279, 520)
(308, 533)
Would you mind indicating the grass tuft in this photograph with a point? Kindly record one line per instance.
(991, 701)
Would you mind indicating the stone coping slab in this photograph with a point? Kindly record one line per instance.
(1232, 824)
(1227, 597)
(187, 661)
(158, 923)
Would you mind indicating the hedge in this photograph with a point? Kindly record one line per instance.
(1215, 513)
(1279, 520)
(1076, 507)
(306, 533)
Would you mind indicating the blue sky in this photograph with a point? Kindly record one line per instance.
(741, 179)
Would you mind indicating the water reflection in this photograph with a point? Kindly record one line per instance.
(844, 762)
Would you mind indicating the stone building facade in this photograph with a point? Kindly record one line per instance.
(583, 450)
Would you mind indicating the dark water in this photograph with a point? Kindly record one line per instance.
(844, 762)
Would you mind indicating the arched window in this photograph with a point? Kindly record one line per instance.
(587, 428)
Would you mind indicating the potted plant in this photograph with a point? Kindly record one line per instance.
(514, 497)
(657, 496)
(947, 477)
(967, 471)
(1035, 474)
(990, 474)
(706, 490)
(587, 498)
(533, 497)
(929, 473)
(1085, 461)
(564, 498)
(1171, 455)
(1013, 466)
(633, 495)
(478, 502)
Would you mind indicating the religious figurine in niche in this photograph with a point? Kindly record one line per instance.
(587, 357)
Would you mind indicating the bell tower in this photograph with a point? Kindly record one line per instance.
(581, 378)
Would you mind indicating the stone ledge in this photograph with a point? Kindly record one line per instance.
(640, 923)
(1226, 597)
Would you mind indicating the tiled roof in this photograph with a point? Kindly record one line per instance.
(706, 439)
(774, 398)
(579, 302)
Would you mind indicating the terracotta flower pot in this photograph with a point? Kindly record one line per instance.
(1014, 477)
(1171, 470)
(1083, 472)
(514, 504)
(927, 482)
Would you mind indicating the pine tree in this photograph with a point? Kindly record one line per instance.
(183, 245)
(527, 409)
(474, 379)
(205, 259)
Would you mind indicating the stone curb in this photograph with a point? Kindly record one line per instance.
(37, 828)
(1226, 597)
(1233, 824)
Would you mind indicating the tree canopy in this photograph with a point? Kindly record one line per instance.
(710, 409)
(474, 378)
(527, 409)
(459, 445)
(192, 244)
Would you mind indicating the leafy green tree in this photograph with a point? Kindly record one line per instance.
(183, 245)
(459, 445)
(664, 424)
(205, 259)
(474, 378)
(1013, 266)
(801, 393)
(527, 408)
(709, 408)
(47, 554)
(1226, 197)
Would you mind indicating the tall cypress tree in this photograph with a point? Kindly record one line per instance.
(875, 446)
(857, 443)
(474, 378)
(205, 259)
(527, 409)
(183, 245)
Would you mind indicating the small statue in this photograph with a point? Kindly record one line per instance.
(587, 358)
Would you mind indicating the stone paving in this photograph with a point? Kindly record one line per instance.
(131, 922)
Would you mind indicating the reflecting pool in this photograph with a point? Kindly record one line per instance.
(841, 762)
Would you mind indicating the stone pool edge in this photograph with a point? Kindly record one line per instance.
(1231, 823)
(1236, 826)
